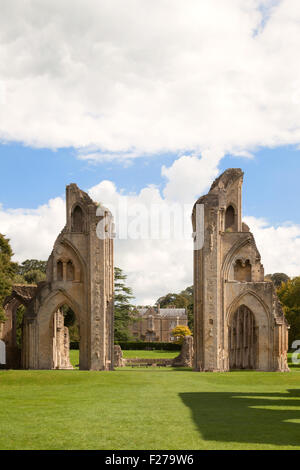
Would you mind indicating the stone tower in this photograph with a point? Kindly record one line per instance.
(239, 323)
(79, 275)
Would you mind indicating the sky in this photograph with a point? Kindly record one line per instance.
(146, 103)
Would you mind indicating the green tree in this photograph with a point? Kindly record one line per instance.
(7, 272)
(123, 308)
(71, 322)
(32, 265)
(188, 293)
(289, 295)
(34, 276)
(31, 271)
(185, 299)
(180, 331)
(277, 278)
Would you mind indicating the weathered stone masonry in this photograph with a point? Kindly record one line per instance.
(80, 275)
(238, 319)
(239, 322)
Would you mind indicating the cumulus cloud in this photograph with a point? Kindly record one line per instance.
(153, 243)
(189, 175)
(279, 245)
(33, 231)
(157, 262)
(119, 79)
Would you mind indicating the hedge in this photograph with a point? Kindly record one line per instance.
(143, 345)
(139, 345)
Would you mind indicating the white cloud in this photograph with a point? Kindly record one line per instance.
(33, 231)
(189, 176)
(279, 246)
(120, 79)
(154, 267)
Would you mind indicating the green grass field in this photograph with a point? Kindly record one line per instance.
(149, 409)
(74, 355)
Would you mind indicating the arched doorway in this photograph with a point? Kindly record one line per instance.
(65, 338)
(243, 340)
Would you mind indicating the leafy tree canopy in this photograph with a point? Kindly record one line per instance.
(31, 271)
(7, 272)
(180, 331)
(31, 265)
(185, 299)
(277, 278)
(289, 295)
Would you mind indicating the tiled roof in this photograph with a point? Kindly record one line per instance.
(163, 312)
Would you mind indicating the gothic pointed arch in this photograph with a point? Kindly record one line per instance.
(242, 299)
(242, 339)
(230, 217)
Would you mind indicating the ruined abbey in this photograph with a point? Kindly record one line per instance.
(238, 320)
(80, 275)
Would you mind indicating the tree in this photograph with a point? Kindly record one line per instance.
(277, 278)
(7, 272)
(123, 307)
(289, 295)
(31, 265)
(185, 299)
(188, 293)
(34, 276)
(71, 322)
(180, 331)
(31, 271)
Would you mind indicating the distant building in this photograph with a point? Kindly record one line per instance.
(156, 324)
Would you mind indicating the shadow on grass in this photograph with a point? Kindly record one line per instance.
(261, 418)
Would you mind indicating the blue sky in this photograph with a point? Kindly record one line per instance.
(271, 184)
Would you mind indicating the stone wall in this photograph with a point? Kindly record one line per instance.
(185, 358)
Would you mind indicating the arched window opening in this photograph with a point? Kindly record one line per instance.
(242, 271)
(77, 220)
(19, 324)
(60, 271)
(70, 271)
(242, 340)
(229, 218)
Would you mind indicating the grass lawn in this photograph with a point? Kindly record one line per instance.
(74, 355)
(151, 354)
(149, 409)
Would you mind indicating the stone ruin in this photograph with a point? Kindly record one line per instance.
(61, 343)
(118, 356)
(238, 319)
(185, 358)
(79, 275)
